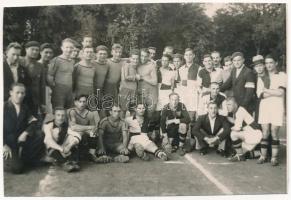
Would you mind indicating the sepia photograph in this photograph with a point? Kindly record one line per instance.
(157, 99)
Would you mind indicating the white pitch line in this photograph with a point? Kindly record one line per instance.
(210, 177)
(216, 163)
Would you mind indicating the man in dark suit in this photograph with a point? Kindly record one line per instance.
(211, 130)
(22, 146)
(13, 71)
(242, 82)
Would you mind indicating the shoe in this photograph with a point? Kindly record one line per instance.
(274, 162)
(181, 151)
(174, 148)
(100, 159)
(162, 155)
(203, 152)
(121, 159)
(76, 165)
(168, 148)
(145, 156)
(221, 152)
(68, 167)
(261, 160)
(237, 158)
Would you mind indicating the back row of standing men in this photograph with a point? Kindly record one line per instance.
(141, 78)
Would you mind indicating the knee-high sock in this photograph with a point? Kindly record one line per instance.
(275, 148)
(264, 147)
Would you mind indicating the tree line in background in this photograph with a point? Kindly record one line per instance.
(250, 28)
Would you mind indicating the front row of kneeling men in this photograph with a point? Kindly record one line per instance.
(114, 138)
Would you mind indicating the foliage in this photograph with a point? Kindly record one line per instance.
(250, 28)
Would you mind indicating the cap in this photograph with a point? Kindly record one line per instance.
(32, 44)
(46, 46)
(235, 54)
(258, 59)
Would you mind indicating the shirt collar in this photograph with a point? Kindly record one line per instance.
(10, 65)
(212, 119)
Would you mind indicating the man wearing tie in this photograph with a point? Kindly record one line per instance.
(211, 130)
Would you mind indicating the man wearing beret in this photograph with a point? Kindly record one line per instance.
(35, 72)
(242, 82)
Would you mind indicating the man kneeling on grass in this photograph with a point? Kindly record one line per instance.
(139, 128)
(245, 134)
(60, 145)
(113, 137)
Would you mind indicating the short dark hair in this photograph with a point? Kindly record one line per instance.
(206, 56)
(14, 45)
(58, 108)
(116, 46)
(211, 103)
(167, 56)
(13, 85)
(227, 59)
(115, 104)
(174, 94)
(189, 49)
(214, 83)
(177, 55)
(272, 56)
(231, 98)
(78, 97)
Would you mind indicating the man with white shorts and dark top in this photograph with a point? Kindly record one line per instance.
(244, 138)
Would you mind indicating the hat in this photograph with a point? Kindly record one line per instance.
(32, 44)
(235, 54)
(46, 46)
(258, 59)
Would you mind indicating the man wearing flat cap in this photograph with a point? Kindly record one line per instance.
(35, 72)
(242, 82)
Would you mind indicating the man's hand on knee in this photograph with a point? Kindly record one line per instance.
(7, 153)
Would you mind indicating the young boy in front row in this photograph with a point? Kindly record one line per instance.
(60, 145)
